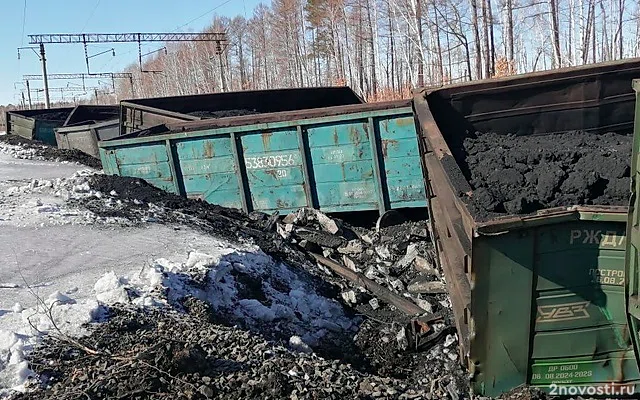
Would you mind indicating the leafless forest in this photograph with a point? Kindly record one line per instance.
(382, 48)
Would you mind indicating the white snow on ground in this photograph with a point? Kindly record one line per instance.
(59, 264)
(163, 282)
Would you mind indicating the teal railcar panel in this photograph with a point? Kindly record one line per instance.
(204, 148)
(358, 161)
(336, 196)
(342, 164)
(109, 163)
(149, 161)
(266, 142)
(45, 131)
(143, 154)
(159, 170)
(273, 165)
(208, 170)
(401, 159)
(344, 172)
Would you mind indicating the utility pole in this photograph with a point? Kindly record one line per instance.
(28, 94)
(44, 76)
(133, 93)
(222, 77)
(96, 93)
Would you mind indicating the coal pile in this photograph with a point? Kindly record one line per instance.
(160, 354)
(400, 258)
(223, 113)
(52, 116)
(522, 174)
(36, 149)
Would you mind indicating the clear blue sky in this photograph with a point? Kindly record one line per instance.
(94, 16)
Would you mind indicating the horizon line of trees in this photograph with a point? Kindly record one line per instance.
(383, 48)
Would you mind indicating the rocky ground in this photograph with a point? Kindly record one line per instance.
(522, 174)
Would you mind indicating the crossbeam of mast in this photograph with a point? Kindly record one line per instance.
(126, 37)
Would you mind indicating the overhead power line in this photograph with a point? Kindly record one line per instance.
(90, 15)
(202, 15)
(24, 22)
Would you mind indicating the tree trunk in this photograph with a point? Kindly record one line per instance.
(593, 27)
(476, 34)
(486, 50)
(606, 56)
(491, 39)
(392, 49)
(619, 33)
(509, 29)
(418, 5)
(374, 83)
(359, 50)
(586, 36)
(555, 33)
(439, 65)
(570, 46)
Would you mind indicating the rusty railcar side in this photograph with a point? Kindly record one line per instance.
(138, 114)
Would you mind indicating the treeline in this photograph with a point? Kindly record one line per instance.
(382, 48)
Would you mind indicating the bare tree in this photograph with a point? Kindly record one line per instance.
(555, 33)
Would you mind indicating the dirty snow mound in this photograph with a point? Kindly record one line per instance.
(240, 285)
(243, 286)
(21, 148)
(53, 201)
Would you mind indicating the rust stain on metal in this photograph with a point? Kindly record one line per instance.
(335, 136)
(354, 136)
(403, 121)
(271, 172)
(281, 204)
(385, 145)
(266, 140)
(208, 149)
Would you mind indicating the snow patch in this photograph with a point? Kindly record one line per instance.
(296, 343)
(58, 298)
(110, 289)
(241, 283)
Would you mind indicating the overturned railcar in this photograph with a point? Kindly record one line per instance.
(138, 114)
(337, 159)
(539, 298)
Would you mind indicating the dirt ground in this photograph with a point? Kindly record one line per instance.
(522, 174)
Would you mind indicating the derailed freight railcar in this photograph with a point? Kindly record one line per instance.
(86, 125)
(138, 114)
(37, 124)
(336, 159)
(539, 298)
